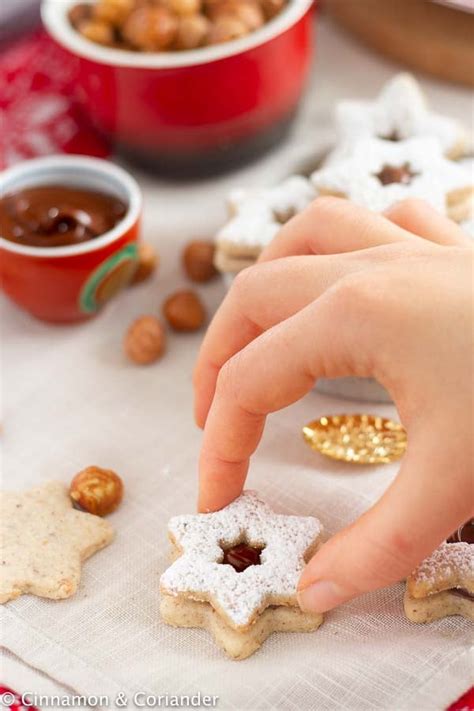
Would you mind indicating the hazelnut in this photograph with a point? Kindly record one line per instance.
(250, 13)
(210, 6)
(79, 13)
(226, 28)
(183, 8)
(198, 260)
(145, 340)
(150, 28)
(97, 491)
(114, 12)
(192, 32)
(97, 31)
(247, 11)
(148, 261)
(272, 7)
(184, 311)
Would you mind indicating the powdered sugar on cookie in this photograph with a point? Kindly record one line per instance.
(449, 566)
(399, 112)
(419, 170)
(257, 215)
(252, 229)
(200, 575)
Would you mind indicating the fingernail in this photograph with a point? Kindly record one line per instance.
(321, 596)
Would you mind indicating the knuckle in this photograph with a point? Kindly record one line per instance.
(341, 214)
(356, 318)
(329, 206)
(243, 282)
(232, 384)
(354, 293)
(228, 378)
(408, 208)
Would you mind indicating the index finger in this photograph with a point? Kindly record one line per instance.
(272, 372)
(247, 311)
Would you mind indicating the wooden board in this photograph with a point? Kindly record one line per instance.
(423, 35)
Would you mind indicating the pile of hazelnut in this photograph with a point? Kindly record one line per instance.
(170, 25)
(145, 339)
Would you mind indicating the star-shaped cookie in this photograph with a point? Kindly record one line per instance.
(43, 542)
(256, 215)
(240, 606)
(379, 173)
(443, 584)
(399, 112)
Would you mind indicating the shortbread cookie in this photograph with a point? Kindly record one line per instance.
(461, 205)
(227, 264)
(179, 612)
(380, 173)
(236, 571)
(434, 607)
(443, 584)
(43, 542)
(257, 215)
(399, 112)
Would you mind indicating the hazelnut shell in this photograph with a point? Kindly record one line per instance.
(97, 491)
(148, 261)
(198, 260)
(184, 311)
(145, 340)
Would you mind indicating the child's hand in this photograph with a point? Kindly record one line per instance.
(365, 296)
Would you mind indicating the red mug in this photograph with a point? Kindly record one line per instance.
(73, 282)
(198, 110)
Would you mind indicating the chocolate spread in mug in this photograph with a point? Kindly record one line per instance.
(56, 216)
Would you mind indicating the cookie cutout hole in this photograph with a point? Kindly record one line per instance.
(394, 136)
(464, 534)
(242, 556)
(284, 215)
(460, 592)
(402, 174)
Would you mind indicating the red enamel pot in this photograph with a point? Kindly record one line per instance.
(199, 110)
(71, 283)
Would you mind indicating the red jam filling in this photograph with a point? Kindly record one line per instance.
(396, 174)
(460, 592)
(241, 557)
(464, 534)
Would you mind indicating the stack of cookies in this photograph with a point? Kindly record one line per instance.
(387, 150)
(235, 573)
(443, 584)
(255, 218)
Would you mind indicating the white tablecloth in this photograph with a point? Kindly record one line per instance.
(70, 399)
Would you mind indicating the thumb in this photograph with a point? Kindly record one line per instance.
(430, 497)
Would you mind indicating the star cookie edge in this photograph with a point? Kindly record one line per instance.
(83, 535)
